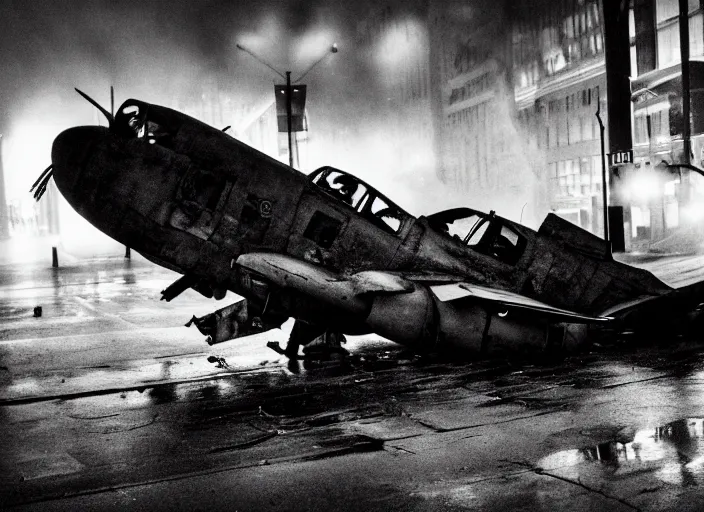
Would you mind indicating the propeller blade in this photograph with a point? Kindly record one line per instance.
(90, 100)
(42, 187)
(41, 177)
(40, 191)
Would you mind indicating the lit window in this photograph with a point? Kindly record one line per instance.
(668, 45)
(666, 9)
(696, 35)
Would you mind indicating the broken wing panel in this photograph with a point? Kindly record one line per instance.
(505, 299)
(235, 321)
(378, 282)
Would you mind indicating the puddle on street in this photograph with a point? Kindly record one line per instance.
(674, 453)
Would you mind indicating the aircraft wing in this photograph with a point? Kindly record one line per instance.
(348, 291)
(503, 299)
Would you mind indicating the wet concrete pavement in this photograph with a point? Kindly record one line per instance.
(107, 403)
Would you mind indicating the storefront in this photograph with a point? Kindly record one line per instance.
(662, 191)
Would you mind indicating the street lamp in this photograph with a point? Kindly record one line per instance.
(4, 220)
(289, 92)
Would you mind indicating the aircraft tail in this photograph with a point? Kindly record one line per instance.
(677, 313)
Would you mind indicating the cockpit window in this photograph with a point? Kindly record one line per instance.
(133, 121)
(468, 229)
(345, 187)
(476, 234)
(362, 198)
(507, 245)
(382, 212)
(484, 233)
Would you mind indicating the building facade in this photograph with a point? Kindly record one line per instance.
(554, 66)
(500, 99)
(559, 85)
(520, 84)
(661, 193)
(482, 151)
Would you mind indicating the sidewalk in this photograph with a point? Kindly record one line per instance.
(23, 249)
(676, 269)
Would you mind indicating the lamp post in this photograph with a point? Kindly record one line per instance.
(289, 92)
(686, 95)
(604, 180)
(4, 213)
(289, 121)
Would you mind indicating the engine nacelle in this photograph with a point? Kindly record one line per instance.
(420, 320)
(406, 318)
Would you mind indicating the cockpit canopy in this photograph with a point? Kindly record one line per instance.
(361, 197)
(484, 233)
(137, 119)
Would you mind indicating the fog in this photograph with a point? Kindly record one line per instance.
(184, 55)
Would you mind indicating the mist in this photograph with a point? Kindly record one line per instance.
(184, 55)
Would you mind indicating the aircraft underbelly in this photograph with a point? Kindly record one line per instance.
(469, 326)
(422, 321)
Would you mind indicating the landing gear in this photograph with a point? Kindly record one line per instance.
(326, 347)
(318, 344)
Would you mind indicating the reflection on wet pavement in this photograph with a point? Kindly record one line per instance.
(674, 453)
(107, 390)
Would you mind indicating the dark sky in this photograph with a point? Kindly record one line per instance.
(156, 49)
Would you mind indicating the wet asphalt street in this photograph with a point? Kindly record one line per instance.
(108, 403)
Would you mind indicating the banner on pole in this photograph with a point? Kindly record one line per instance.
(298, 106)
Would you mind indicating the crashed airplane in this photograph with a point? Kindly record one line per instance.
(339, 256)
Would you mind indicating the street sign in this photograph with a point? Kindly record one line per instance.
(621, 157)
(298, 106)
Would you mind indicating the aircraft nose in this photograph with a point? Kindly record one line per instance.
(70, 153)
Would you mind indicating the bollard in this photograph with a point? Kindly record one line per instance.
(54, 258)
(128, 253)
(37, 311)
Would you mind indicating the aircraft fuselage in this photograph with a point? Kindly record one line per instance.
(194, 199)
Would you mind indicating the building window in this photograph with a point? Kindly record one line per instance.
(562, 126)
(596, 174)
(668, 45)
(561, 179)
(575, 129)
(586, 128)
(640, 129)
(696, 35)
(668, 9)
(667, 18)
